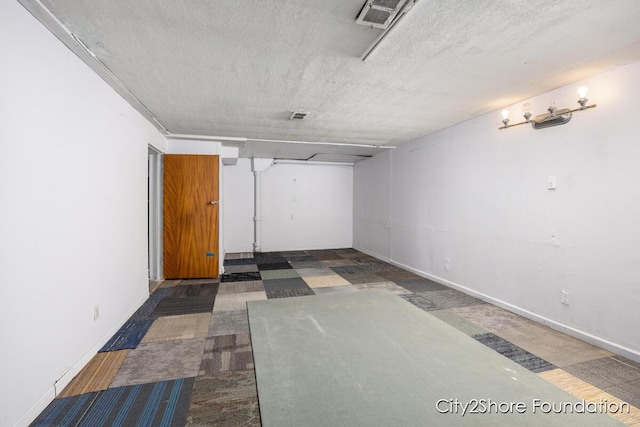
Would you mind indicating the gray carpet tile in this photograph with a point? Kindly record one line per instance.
(325, 255)
(396, 275)
(289, 254)
(226, 353)
(224, 399)
(206, 281)
(451, 298)
(269, 258)
(458, 322)
(605, 372)
(343, 251)
(238, 255)
(322, 271)
(300, 258)
(228, 323)
(420, 302)
(274, 266)
(627, 392)
(240, 277)
(306, 264)
(279, 274)
(335, 290)
(362, 278)
(240, 268)
(626, 361)
(490, 317)
(292, 283)
(176, 305)
(349, 269)
(373, 265)
(338, 263)
(420, 285)
(184, 291)
(387, 286)
(239, 287)
(160, 361)
(289, 293)
(515, 353)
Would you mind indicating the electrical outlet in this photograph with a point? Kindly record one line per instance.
(96, 312)
(564, 298)
(552, 183)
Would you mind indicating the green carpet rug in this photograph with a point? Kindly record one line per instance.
(371, 358)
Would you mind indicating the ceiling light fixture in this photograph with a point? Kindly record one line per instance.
(554, 117)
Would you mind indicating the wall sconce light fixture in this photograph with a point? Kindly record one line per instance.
(554, 117)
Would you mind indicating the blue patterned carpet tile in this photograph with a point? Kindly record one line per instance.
(515, 353)
(66, 411)
(163, 403)
(129, 336)
(145, 310)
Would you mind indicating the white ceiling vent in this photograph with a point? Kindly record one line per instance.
(298, 115)
(379, 13)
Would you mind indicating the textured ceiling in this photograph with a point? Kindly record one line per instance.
(238, 68)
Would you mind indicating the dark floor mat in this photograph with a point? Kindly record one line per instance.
(275, 266)
(269, 258)
(128, 336)
(243, 261)
(515, 353)
(240, 277)
(190, 305)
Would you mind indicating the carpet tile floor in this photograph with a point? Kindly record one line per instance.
(185, 356)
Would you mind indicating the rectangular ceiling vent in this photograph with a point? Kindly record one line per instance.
(298, 115)
(379, 13)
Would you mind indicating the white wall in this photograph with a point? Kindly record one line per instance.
(238, 207)
(73, 222)
(470, 207)
(307, 207)
(371, 220)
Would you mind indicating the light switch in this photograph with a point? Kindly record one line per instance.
(552, 183)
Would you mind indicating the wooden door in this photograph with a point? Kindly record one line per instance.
(190, 216)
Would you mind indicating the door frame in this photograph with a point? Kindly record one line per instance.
(155, 174)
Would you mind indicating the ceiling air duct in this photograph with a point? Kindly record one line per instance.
(379, 13)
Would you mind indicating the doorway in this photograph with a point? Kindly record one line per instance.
(154, 259)
(190, 216)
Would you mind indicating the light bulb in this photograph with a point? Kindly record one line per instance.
(526, 108)
(582, 91)
(505, 114)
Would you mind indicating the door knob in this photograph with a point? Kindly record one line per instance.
(214, 202)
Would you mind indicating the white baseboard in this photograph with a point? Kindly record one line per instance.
(560, 327)
(373, 254)
(71, 373)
